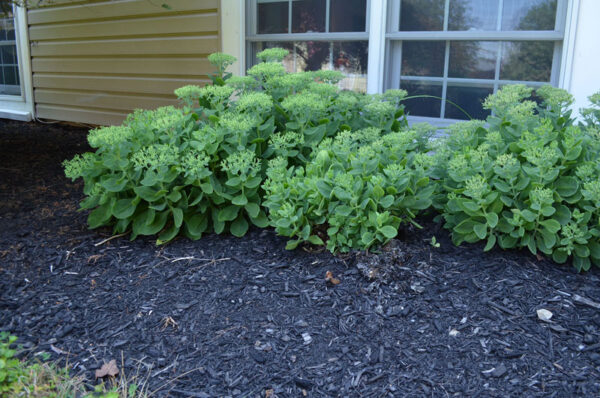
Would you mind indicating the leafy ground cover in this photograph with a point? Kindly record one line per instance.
(226, 316)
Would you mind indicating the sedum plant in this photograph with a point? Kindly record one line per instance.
(526, 179)
(200, 168)
(354, 193)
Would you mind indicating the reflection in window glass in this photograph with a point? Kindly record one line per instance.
(469, 98)
(9, 64)
(473, 59)
(473, 15)
(418, 15)
(527, 60)
(350, 58)
(272, 17)
(348, 16)
(529, 15)
(308, 16)
(430, 107)
(423, 58)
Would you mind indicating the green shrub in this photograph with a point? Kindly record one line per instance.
(200, 168)
(10, 370)
(527, 178)
(354, 193)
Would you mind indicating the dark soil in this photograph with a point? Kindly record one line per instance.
(246, 318)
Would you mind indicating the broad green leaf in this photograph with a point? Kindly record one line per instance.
(388, 231)
(239, 226)
(480, 230)
(228, 213)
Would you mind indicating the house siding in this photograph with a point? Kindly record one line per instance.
(95, 62)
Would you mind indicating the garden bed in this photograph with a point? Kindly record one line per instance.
(224, 316)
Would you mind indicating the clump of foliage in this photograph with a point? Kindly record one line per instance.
(354, 193)
(199, 168)
(527, 178)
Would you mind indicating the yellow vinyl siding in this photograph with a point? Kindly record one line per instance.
(94, 62)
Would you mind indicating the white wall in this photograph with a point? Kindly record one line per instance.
(582, 66)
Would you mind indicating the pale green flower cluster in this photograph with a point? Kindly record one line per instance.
(394, 95)
(541, 196)
(573, 136)
(346, 101)
(242, 83)
(216, 93)
(155, 156)
(556, 98)
(238, 123)
(254, 102)
(591, 191)
(585, 172)
(243, 163)
(464, 134)
(506, 161)
(166, 117)
(221, 60)
(292, 82)
(275, 54)
(380, 110)
(266, 70)
(305, 105)
(394, 171)
(542, 156)
(323, 89)
(287, 140)
(476, 187)
(189, 92)
(195, 163)
(75, 167)
(506, 98)
(328, 76)
(108, 136)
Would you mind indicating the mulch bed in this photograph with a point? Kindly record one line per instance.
(245, 318)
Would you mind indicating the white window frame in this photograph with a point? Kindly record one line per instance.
(20, 107)
(393, 37)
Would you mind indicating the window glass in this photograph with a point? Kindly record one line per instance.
(527, 60)
(9, 64)
(308, 16)
(423, 58)
(473, 15)
(419, 15)
(529, 14)
(430, 107)
(348, 16)
(272, 17)
(473, 59)
(468, 97)
(348, 57)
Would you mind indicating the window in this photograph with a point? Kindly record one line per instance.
(464, 50)
(9, 65)
(320, 34)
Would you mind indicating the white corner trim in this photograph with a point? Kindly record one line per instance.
(376, 60)
(232, 33)
(568, 50)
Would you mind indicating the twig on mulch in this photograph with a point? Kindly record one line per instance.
(111, 238)
(586, 301)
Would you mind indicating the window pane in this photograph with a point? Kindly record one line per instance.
(423, 58)
(473, 59)
(473, 15)
(422, 106)
(350, 58)
(527, 60)
(529, 15)
(418, 15)
(469, 98)
(348, 16)
(288, 61)
(272, 17)
(308, 16)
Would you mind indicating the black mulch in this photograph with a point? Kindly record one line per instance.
(246, 318)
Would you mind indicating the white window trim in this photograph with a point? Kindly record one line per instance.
(20, 107)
